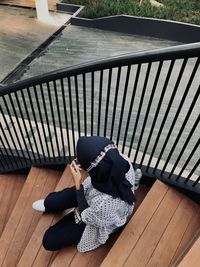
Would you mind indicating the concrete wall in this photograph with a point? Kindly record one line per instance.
(162, 29)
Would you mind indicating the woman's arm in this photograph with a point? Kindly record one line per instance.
(80, 196)
(79, 175)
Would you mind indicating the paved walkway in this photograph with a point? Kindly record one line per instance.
(81, 44)
(21, 33)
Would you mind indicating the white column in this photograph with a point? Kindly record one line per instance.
(42, 9)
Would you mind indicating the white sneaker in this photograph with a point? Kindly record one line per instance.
(39, 205)
(138, 176)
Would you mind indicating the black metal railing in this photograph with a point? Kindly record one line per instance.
(148, 103)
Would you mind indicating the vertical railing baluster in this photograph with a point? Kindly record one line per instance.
(66, 117)
(178, 112)
(47, 120)
(6, 147)
(123, 103)
(77, 105)
(84, 104)
(131, 106)
(13, 124)
(20, 130)
(25, 127)
(191, 172)
(92, 102)
(42, 122)
(4, 161)
(36, 124)
(71, 112)
(148, 108)
(188, 159)
(198, 179)
(107, 100)
(22, 118)
(100, 102)
(53, 117)
(140, 106)
(181, 131)
(167, 111)
(30, 125)
(115, 101)
(157, 110)
(8, 128)
(59, 116)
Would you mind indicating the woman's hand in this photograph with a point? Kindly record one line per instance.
(76, 174)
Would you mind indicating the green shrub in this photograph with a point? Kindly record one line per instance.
(179, 10)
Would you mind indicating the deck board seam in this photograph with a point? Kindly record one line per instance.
(145, 227)
(181, 199)
(18, 222)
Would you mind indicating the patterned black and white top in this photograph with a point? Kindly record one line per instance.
(103, 215)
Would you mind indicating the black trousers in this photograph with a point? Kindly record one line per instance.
(65, 232)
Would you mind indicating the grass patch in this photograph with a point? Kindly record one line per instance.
(179, 10)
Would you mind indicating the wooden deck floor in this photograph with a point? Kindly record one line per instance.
(160, 233)
(10, 188)
(23, 220)
(192, 258)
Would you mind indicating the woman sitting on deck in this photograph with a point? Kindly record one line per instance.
(103, 202)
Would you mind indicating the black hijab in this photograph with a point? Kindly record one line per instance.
(109, 175)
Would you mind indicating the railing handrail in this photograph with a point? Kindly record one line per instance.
(129, 98)
(169, 53)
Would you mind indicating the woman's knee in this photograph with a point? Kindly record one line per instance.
(49, 242)
(57, 202)
(52, 205)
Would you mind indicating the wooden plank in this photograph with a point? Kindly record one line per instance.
(71, 257)
(3, 185)
(64, 257)
(34, 254)
(134, 229)
(24, 228)
(82, 258)
(43, 258)
(192, 258)
(97, 258)
(188, 238)
(32, 248)
(10, 188)
(19, 181)
(173, 235)
(14, 235)
(154, 230)
(15, 216)
(49, 186)
(92, 258)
